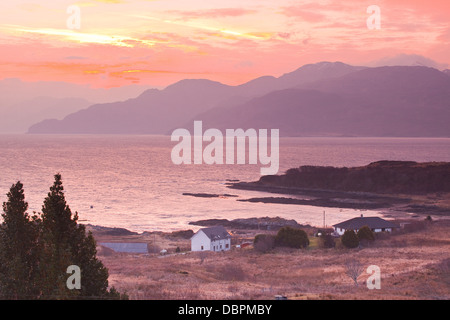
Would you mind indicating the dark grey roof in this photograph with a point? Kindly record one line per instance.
(216, 233)
(371, 222)
(126, 247)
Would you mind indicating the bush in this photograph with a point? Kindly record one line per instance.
(327, 241)
(264, 242)
(292, 238)
(349, 239)
(365, 234)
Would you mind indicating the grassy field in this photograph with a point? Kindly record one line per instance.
(414, 264)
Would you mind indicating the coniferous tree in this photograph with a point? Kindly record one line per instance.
(35, 253)
(57, 228)
(19, 248)
(349, 239)
(365, 235)
(65, 244)
(291, 237)
(94, 275)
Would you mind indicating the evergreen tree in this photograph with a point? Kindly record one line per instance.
(349, 239)
(327, 240)
(57, 228)
(18, 248)
(365, 234)
(291, 237)
(94, 281)
(65, 244)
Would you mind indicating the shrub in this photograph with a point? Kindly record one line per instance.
(365, 234)
(349, 239)
(185, 234)
(353, 268)
(264, 242)
(292, 238)
(327, 241)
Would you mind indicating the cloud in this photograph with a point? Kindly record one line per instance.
(75, 58)
(212, 31)
(86, 38)
(212, 13)
(109, 1)
(444, 36)
(408, 60)
(30, 7)
(303, 14)
(244, 64)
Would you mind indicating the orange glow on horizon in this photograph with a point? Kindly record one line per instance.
(161, 42)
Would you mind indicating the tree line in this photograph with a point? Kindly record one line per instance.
(37, 249)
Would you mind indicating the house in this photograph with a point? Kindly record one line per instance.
(375, 224)
(211, 239)
(129, 247)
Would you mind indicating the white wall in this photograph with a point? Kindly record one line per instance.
(221, 245)
(341, 231)
(198, 240)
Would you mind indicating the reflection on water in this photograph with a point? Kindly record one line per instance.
(131, 182)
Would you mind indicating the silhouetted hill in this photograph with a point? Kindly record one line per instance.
(385, 101)
(315, 72)
(153, 112)
(293, 111)
(383, 177)
(323, 99)
(161, 111)
(24, 103)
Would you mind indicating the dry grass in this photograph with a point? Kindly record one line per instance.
(413, 265)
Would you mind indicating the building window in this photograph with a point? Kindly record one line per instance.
(202, 247)
(227, 246)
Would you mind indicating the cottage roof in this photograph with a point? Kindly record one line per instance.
(216, 233)
(371, 222)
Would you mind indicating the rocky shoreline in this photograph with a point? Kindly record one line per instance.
(343, 199)
(256, 223)
(260, 223)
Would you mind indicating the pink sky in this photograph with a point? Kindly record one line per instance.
(158, 42)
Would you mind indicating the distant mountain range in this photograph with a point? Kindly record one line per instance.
(22, 103)
(322, 99)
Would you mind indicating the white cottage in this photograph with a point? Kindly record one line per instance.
(211, 239)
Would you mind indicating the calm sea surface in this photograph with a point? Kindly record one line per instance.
(131, 182)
